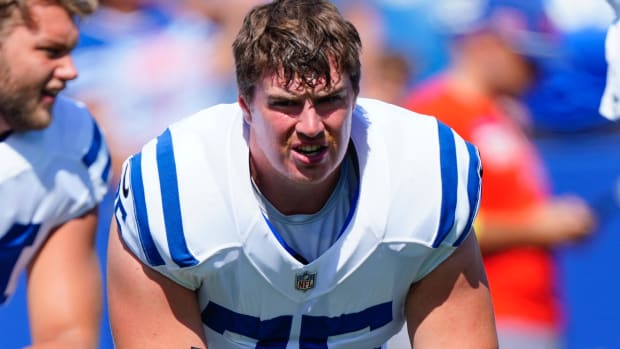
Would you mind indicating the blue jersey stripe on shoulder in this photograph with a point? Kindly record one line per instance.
(449, 182)
(473, 189)
(169, 187)
(144, 231)
(91, 155)
(93, 151)
(105, 175)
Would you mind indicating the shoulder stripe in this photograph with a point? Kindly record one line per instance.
(106, 170)
(169, 187)
(91, 155)
(473, 189)
(449, 181)
(144, 231)
(93, 151)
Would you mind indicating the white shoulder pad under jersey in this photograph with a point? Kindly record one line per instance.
(610, 102)
(186, 208)
(47, 177)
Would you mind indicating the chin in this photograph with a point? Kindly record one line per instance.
(40, 119)
(311, 177)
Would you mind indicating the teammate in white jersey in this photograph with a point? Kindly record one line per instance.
(610, 103)
(54, 173)
(299, 217)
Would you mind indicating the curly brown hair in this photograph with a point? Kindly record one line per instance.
(297, 39)
(13, 12)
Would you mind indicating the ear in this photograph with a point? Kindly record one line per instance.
(245, 108)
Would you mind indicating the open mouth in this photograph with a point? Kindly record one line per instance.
(47, 95)
(311, 150)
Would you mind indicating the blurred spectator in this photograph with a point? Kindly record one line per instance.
(146, 63)
(566, 95)
(496, 58)
(386, 71)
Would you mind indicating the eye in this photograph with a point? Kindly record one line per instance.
(329, 99)
(54, 52)
(284, 104)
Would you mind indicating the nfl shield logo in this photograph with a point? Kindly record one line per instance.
(305, 281)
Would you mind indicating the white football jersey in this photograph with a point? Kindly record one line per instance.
(186, 208)
(47, 177)
(610, 102)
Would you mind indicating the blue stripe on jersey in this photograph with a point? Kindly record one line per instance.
(91, 155)
(169, 187)
(144, 231)
(449, 182)
(105, 175)
(473, 189)
(270, 333)
(12, 245)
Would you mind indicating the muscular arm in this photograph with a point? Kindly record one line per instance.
(559, 220)
(65, 288)
(451, 307)
(147, 310)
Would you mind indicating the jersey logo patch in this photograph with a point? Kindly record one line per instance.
(305, 281)
(125, 184)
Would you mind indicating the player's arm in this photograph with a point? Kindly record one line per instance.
(148, 310)
(451, 307)
(559, 220)
(65, 287)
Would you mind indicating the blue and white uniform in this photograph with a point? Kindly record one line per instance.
(186, 208)
(610, 102)
(47, 177)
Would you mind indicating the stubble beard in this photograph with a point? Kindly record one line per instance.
(19, 103)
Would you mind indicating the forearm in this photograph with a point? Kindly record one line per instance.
(68, 314)
(561, 220)
(70, 339)
(65, 292)
(496, 234)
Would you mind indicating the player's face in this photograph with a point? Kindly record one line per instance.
(35, 66)
(512, 73)
(299, 134)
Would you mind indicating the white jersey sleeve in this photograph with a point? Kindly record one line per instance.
(48, 177)
(186, 208)
(610, 102)
(435, 179)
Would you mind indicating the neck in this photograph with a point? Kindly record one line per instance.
(4, 126)
(468, 80)
(291, 197)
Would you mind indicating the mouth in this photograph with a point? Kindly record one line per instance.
(311, 150)
(50, 92)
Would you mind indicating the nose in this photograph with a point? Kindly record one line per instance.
(309, 122)
(66, 70)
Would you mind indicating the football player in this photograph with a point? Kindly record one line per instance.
(301, 216)
(53, 176)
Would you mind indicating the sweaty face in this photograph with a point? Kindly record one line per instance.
(299, 134)
(35, 66)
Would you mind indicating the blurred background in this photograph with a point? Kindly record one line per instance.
(146, 63)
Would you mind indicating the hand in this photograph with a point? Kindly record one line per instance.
(566, 219)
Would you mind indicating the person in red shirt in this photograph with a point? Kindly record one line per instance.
(519, 221)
